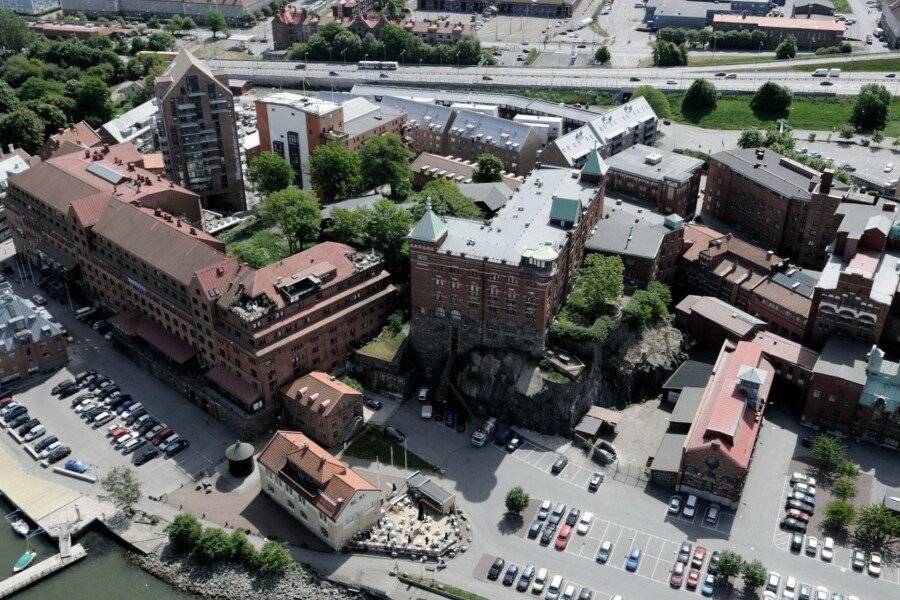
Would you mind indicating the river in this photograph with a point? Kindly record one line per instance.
(104, 573)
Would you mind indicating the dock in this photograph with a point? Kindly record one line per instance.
(45, 568)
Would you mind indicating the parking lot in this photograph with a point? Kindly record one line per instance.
(484, 564)
(91, 351)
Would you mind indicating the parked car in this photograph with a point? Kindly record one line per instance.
(124, 439)
(677, 577)
(773, 581)
(799, 505)
(133, 445)
(693, 579)
(554, 588)
(712, 514)
(14, 413)
(796, 542)
(161, 435)
(557, 513)
(154, 431)
(146, 456)
(45, 443)
(549, 532)
(713, 566)
(35, 433)
(510, 577)
(392, 433)
(373, 403)
(875, 564)
(177, 446)
(535, 528)
(698, 557)
(496, 568)
(828, 549)
(27, 425)
(684, 552)
(124, 406)
(709, 585)
(634, 559)
(50, 448)
(101, 420)
(544, 510)
(513, 444)
(57, 454)
(791, 524)
(19, 421)
(595, 481)
(562, 540)
(39, 300)
(163, 445)
(572, 517)
(540, 578)
(132, 408)
(559, 465)
(603, 552)
(136, 417)
(812, 546)
(584, 523)
(62, 384)
(525, 578)
(75, 465)
(858, 560)
(8, 408)
(690, 507)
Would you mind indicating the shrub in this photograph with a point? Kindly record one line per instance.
(213, 545)
(184, 531)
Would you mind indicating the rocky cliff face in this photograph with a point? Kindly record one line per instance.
(512, 387)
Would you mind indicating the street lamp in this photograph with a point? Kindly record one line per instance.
(402, 52)
(344, 56)
(457, 58)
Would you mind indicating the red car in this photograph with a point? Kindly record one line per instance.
(699, 555)
(693, 579)
(159, 437)
(798, 514)
(677, 577)
(118, 432)
(562, 540)
(5, 400)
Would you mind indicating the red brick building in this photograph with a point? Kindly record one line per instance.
(499, 284)
(783, 205)
(30, 342)
(809, 33)
(323, 407)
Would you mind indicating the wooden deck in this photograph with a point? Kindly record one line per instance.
(34, 573)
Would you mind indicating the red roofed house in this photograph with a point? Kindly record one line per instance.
(720, 443)
(331, 500)
(324, 407)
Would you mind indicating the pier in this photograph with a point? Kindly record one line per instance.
(68, 555)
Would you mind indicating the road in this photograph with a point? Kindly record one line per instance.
(345, 75)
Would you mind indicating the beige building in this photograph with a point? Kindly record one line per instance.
(323, 407)
(329, 498)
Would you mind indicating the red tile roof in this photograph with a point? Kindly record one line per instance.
(80, 133)
(88, 210)
(320, 392)
(234, 385)
(334, 483)
(725, 420)
(786, 350)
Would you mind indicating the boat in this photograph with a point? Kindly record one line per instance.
(20, 526)
(24, 561)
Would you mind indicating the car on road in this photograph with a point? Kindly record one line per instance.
(572, 517)
(875, 564)
(693, 579)
(496, 568)
(709, 585)
(712, 514)
(699, 557)
(146, 456)
(773, 582)
(858, 560)
(373, 403)
(634, 559)
(535, 529)
(671, 82)
(540, 578)
(177, 446)
(684, 553)
(731, 76)
(690, 507)
(677, 577)
(584, 523)
(382, 75)
(674, 505)
(525, 578)
(557, 513)
(632, 78)
(510, 577)
(514, 443)
(812, 545)
(559, 464)
(595, 481)
(487, 77)
(332, 73)
(890, 75)
(826, 83)
(562, 540)
(544, 510)
(603, 552)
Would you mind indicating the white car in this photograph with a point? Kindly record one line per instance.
(875, 564)
(675, 505)
(806, 488)
(821, 593)
(85, 406)
(537, 586)
(585, 522)
(167, 442)
(773, 582)
(812, 546)
(790, 588)
(888, 167)
(712, 514)
(828, 549)
(569, 593)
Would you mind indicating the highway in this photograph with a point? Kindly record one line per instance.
(344, 76)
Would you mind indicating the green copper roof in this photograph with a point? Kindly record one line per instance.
(565, 209)
(430, 227)
(594, 165)
(895, 231)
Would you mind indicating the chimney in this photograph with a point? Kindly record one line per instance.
(889, 207)
(827, 180)
(812, 184)
(760, 153)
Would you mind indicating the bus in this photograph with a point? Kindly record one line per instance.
(377, 65)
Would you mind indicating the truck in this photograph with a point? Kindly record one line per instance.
(427, 411)
(820, 73)
(484, 432)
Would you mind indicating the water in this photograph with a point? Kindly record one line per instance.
(105, 573)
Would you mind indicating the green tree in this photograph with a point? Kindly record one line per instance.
(843, 488)
(387, 229)
(153, 22)
(601, 56)
(92, 101)
(655, 98)
(839, 514)
(385, 160)
(446, 199)
(847, 468)
(649, 305)
(336, 172)
(872, 107)
(730, 564)
(122, 486)
(787, 48)
(752, 138)
(53, 117)
(23, 129)
(394, 9)
(8, 99)
(876, 527)
(771, 99)
(297, 214)
(184, 531)
(161, 41)
(36, 88)
(274, 557)
(242, 550)
(516, 500)
(216, 22)
(599, 283)
(828, 451)
(490, 168)
(700, 97)
(754, 575)
(877, 137)
(213, 545)
(270, 172)
(847, 131)
(14, 34)
(668, 54)
(349, 226)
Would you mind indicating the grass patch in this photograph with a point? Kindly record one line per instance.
(872, 64)
(820, 114)
(431, 584)
(585, 97)
(842, 6)
(386, 345)
(554, 376)
(371, 444)
(533, 55)
(255, 243)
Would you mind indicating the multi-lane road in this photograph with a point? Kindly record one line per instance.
(343, 76)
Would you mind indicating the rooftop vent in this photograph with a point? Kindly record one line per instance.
(654, 158)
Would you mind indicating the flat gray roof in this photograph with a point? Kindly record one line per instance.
(628, 228)
(689, 8)
(636, 160)
(668, 454)
(493, 195)
(686, 407)
(425, 485)
(690, 373)
(845, 359)
(371, 120)
(18, 315)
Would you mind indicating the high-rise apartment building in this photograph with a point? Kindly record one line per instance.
(197, 132)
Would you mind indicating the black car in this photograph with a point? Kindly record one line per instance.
(806, 441)
(19, 421)
(58, 454)
(559, 465)
(39, 447)
(84, 375)
(61, 385)
(68, 391)
(108, 391)
(556, 514)
(525, 578)
(792, 524)
(713, 567)
(135, 416)
(799, 505)
(511, 573)
(373, 403)
(502, 437)
(496, 568)
(27, 425)
(148, 425)
(146, 457)
(14, 413)
(83, 398)
(177, 446)
(119, 401)
(796, 542)
(549, 532)
(585, 594)
(89, 415)
(572, 517)
(394, 434)
(535, 528)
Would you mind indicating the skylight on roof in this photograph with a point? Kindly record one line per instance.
(106, 173)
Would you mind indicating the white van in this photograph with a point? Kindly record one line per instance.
(834, 72)
(690, 507)
(820, 73)
(83, 313)
(554, 588)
